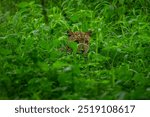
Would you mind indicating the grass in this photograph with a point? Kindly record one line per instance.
(116, 67)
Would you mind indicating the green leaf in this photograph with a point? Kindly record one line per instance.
(23, 4)
(43, 66)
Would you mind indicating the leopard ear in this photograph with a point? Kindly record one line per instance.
(89, 32)
(69, 33)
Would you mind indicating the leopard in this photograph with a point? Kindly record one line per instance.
(81, 38)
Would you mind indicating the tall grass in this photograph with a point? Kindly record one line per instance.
(32, 65)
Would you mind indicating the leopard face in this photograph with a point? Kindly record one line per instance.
(82, 39)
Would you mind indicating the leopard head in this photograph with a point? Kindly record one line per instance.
(82, 38)
(79, 37)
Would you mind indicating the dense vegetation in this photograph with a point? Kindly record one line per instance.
(32, 65)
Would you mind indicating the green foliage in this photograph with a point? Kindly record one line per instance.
(33, 64)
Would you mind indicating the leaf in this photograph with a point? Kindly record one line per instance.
(23, 5)
(43, 66)
(74, 18)
(59, 64)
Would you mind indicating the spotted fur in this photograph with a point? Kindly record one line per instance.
(82, 39)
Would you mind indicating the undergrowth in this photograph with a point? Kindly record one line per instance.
(33, 65)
